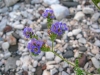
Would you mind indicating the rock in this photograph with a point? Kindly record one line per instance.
(79, 15)
(70, 34)
(98, 4)
(24, 73)
(11, 63)
(45, 72)
(38, 71)
(49, 55)
(7, 29)
(69, 4)
(10, 2)
(58, 59)
(76, 31)
(16, 35)
(83, 58)
(16, 7)
(12, 40)
(97, 43)
(95, 62)
(3, 24)
(24, 14)
(53, 71)
(97, 56)
(4, 10)
(49, 43)
(18, 26)
(83, 48)
(64, 64)
(88, 10)
(76, 54)
(27, 1)
(95, 16)
(64, 73)
(35, 63)
(79, 36)
(95, 50)
(82, 40)
(5, 46)
(48, 2)
(60, 11)
(7, 55)
(18, 63)
(68, 54)
(36, 1)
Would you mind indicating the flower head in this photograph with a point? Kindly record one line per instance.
(35, 46)
(58, 28)
(27, 32)
(48, 13)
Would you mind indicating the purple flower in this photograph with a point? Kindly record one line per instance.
(58, 28)
(27, 32)
(35, 46)
(48, 13)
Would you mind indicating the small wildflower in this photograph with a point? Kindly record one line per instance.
(48, 13)
(35, 46)
(58, 28)
(27, 32)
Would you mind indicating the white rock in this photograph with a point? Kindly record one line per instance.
(49, 64)
(35, 63)
(5, 46)
(53, 71)
(70, 34)
(36, 1)
(72, 10)
(60, 11)
(45, 72)
(97, 56)
(25, 66)
(79, 15)
(95, 16)
(10, 2)
(58, 59)
(48, 2)
(79, 7)
(3, 24)
(18, 63)
(76, 31)
(18, 26)
(64, 73)
(64, 64)
(33, 69)
(95, 62)
(76, 54)
(79, 36)
(7, 55)
(97, 43)
(49, 55)
(88, 10)
(82, 40)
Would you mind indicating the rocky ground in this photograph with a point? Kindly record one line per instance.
(81, 41)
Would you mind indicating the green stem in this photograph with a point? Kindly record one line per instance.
(87, 73)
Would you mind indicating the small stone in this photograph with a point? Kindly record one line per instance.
(7, 29)
(79, 36)
(70, 34)
(40, 12)
(83, 58)
(48, 2)
(82, 40)
(58, 59)
(76, 54)
(45, 72)
(68, 54)
(35, 63)
(24, 73)
(95, 50)
(70, 4)
(83, 48)
(60, 11)
(36, 1)
(88, 10)
(38, 71)
(95, 62)
(10, 2)
(16, 7)
(76, 31)
(64, 73)
(79, 15)
(95, 16)
(53, 71)
(97, 43)
(49, 55)
(16, 35)
(18, 26)
(97, 56)
(5, 46)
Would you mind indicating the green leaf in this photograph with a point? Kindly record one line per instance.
(99, 70)
(35, 36)
(96, 2)
(76, 63)
(53, 36)
(45, 49)
(34, 54)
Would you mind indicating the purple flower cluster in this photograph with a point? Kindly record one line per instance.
(27, 32)
(35, 46)
(58, 28)
(48, 13)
